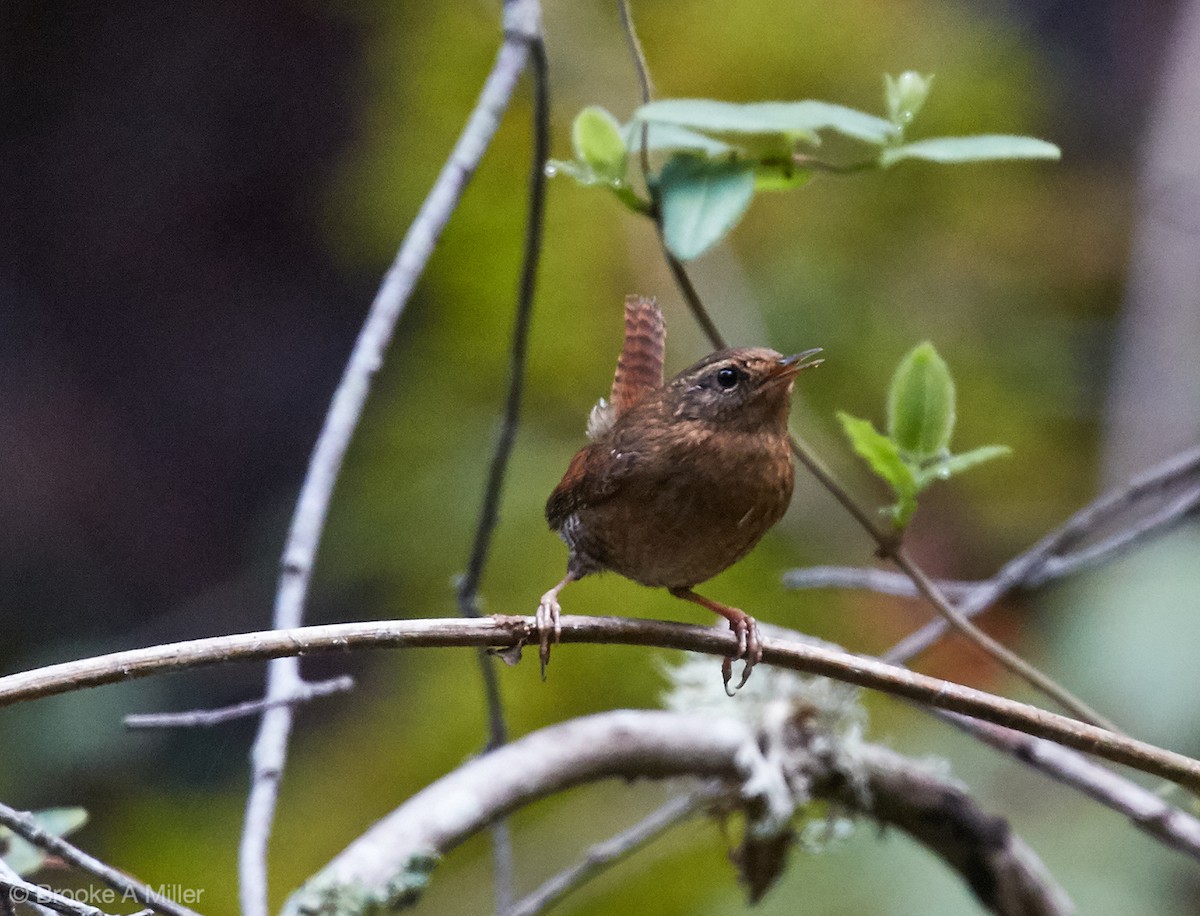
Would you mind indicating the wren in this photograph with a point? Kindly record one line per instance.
(680, 480)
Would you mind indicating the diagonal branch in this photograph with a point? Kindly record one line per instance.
(1145, 809)
(1157, 499)
(23, 824)
(517, 631)
(14, 889)
(1173, 489)
(602, 856)
(521, 26)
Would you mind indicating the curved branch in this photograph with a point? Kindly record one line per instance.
(516, 631)
(390, 864)
(522, 25)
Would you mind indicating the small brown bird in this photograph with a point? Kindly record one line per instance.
(681, 479)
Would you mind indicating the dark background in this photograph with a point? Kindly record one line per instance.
(198, 202)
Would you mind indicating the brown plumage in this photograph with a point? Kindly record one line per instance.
(681, 479)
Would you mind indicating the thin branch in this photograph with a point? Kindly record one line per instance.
(206, 718)
(513, 631)
(636, 51)
(522, 20)
(25, 826)
(602, 856)
(468, 588)
(14, 889)
(870, 579)
(1034, 568)
(391, 862)
(1146, 810)
(1005, 656)
(1049, 559)
(690, 295)
(891, 548)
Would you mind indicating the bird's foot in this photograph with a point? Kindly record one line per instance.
(548, 616)
(749, 649)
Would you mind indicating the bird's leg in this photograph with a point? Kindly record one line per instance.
(548, 613)
(745, 628)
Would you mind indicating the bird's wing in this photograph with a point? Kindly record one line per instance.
(640, 366)
(592, 478)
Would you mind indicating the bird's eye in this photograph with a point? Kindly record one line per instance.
(728, 377)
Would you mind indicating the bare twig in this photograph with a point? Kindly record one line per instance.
(646, 85)
(600, 857)
(868, 578)
(468, 588)
(392, 860)
(1147, 810)
(1173, 490)
(1009, 659)
(521, 26)
(512, 631)
(14, 889)
(24, 825)
(206, 718)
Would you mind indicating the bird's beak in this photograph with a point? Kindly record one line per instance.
(789, 366)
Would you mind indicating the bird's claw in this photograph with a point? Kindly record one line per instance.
(749, 648)
(549, 624)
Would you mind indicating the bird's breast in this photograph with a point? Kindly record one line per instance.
(695, 506)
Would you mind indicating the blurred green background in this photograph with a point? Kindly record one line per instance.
(202, 200)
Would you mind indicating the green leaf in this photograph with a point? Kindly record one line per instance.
(905, 96)
(701, 201)
(879, 452)
(981, 148)
(956, 464)
(793, 120)
(673, 138)
(596, 136)
(920, 405)
(25, 858)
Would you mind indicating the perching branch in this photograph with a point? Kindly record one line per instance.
(25, 826)
(522, 25)
(391, 863)
(514, 631)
